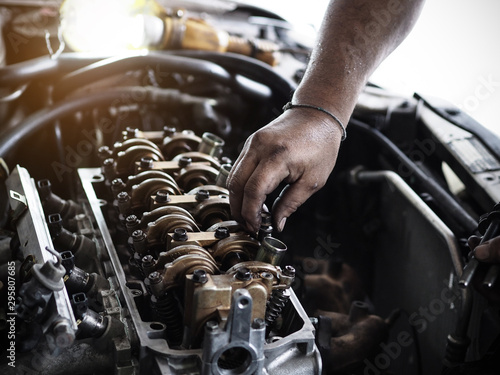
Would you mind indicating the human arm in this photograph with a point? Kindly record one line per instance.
(300, 147)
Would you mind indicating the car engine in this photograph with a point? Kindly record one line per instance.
(118, 251)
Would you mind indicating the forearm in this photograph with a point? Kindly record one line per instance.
(355, 37)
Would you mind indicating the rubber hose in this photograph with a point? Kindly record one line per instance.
(450, 207)
(23, 72)
(167, 63)
(46, 116)
(247, 66)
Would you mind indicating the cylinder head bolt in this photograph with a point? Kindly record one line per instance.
(180, 234)
(184, 161)
(202, 195)
(123, 201)
(200, 276)
(146, 163)
(162, 196)
(132, 224)
(221, 233)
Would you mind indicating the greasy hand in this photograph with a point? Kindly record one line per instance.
(488, 251)
(300, 148)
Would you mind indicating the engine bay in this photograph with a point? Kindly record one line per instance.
(119, 253)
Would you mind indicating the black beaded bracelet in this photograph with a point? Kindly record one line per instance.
(289, 105)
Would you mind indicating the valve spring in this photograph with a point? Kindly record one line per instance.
(275, 305)
(168, 312)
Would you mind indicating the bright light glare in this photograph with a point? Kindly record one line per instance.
(106, 26)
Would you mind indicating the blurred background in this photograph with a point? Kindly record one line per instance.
(453, 53)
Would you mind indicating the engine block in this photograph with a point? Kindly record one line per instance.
(154, 264)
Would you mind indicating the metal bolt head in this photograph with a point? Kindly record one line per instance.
(138, 235)
(162, 196)
(104, 152)
(200, 276)
(122, 197)
(130, 131)
(243, 274)
(146, 162)
(212, 325)
(168, 131)
(117, 182)
(154, 277)
(266, 218)
(202, 195)
(63, 334)
(180, 234)
(131, 219)
(289, 271)
(184, 161)
(108, 162)
(147, 260)
(258, 323)
(221, 232)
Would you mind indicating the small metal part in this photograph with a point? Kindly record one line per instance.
(271, 251)
(108, 168)
(258, 323)
(130, 132)
(122, 197)
(168, 131)
(221, 233)
(63, 333)
(131, 223)
(289, 271)
(139, 241)
(180, 234)
(200, 276)
(154, 277)
(146, 163)
(287, 276)
(221, 179)
(104, 152)
(148, 261)
(162, 196)
(243, 274)
(492, 276)
(202, 195)
(123, 200)
(117, 186)
(468, 273)
(212, 326)
(211, 144)
(266, 228)
(184, 161)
